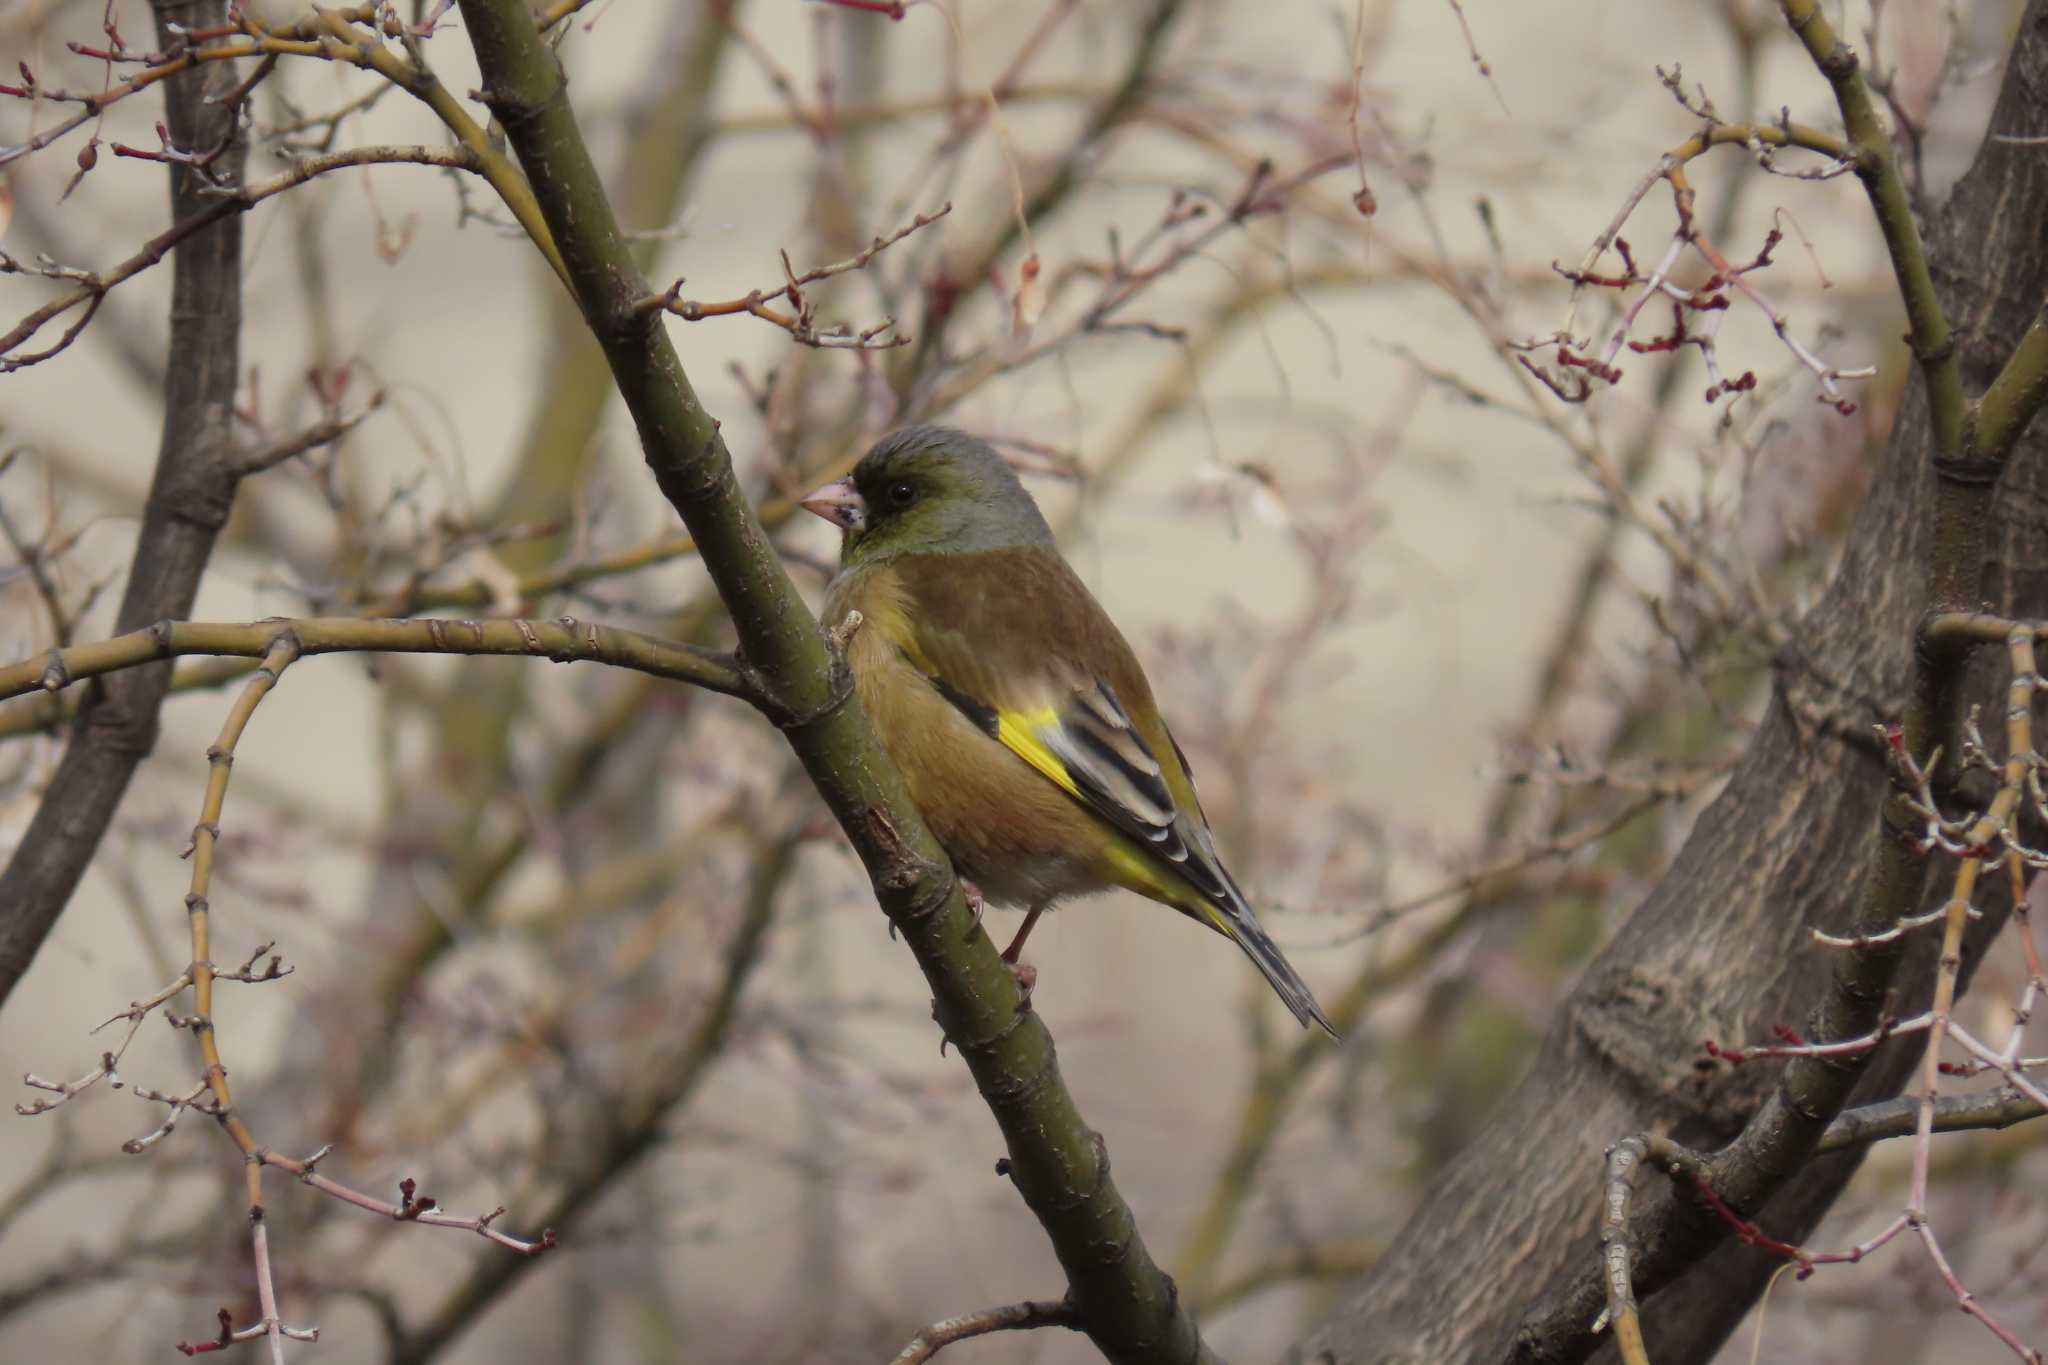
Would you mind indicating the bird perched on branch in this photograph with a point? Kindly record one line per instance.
(1018, 714)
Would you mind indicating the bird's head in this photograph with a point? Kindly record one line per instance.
(927, 490)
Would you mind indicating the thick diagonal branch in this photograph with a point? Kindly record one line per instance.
(1126, 1304)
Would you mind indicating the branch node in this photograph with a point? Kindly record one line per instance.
(56, 677)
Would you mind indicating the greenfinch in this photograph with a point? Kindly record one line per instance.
(1018, 714)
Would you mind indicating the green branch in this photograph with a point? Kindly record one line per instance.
(1126, 1304)
(2015, 397)
(1870, 145)
(368, 50)
(562, 640)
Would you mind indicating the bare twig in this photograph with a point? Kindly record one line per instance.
(1015, 1317)
(801, 324)
(562, 640)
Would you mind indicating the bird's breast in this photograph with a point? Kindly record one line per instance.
(1015, 834)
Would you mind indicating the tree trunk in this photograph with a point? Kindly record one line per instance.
(189, 500)
(1721, 948)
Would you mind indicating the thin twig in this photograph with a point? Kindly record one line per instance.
(1015, 1317)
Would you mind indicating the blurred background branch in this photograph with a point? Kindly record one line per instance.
(1466, 673)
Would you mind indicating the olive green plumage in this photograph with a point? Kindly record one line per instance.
(1018, 713)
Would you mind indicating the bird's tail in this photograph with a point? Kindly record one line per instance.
(1232, 915)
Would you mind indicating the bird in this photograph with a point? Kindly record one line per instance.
(1017, 712)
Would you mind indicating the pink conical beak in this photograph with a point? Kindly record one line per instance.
(839, 503)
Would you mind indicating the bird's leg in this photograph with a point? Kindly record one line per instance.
(1023, 932)
(1026, 975)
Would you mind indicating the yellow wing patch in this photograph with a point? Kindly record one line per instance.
(1017, 731)
(1129, 865)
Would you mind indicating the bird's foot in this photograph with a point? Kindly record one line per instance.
(975, 905)
(1026, 977)
(839, 636)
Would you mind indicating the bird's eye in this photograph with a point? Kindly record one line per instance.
(902, 493)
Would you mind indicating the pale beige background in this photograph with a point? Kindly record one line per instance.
(1483, 517)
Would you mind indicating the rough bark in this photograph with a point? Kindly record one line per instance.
(190, 496)
(1720, 949)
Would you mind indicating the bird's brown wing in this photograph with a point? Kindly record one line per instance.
(1017, 643)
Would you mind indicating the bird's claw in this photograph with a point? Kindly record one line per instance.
(1026, 977)
(839, 636)
(975, 905)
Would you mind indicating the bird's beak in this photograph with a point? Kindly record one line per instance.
(839, 503)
